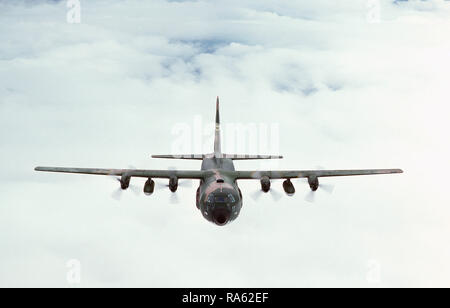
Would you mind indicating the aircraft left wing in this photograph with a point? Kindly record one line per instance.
(181, 174)
(289, 174)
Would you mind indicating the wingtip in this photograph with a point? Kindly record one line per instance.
(396, 170)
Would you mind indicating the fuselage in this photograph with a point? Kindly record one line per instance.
(218, 197)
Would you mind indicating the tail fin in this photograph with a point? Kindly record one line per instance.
(217, 143)
(217, 149)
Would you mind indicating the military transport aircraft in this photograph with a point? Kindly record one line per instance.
(218, 196)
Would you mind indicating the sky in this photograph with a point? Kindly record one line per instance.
(343, 85)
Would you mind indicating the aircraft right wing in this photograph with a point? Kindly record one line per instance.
(289, 174)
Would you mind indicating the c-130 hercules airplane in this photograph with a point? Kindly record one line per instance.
(218, 196)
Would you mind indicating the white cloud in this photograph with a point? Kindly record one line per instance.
(107, 92)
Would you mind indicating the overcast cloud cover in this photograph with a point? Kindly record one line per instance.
(345, 92)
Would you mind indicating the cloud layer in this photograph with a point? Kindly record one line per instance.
(345, 92)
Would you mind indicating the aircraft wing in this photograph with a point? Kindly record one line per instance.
(181, 174)
(289, 174)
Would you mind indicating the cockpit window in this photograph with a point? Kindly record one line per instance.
(220, 199)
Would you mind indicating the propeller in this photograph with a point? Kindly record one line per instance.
(274, 193)
(310, 196)
(173, 195)
(117, 193)
(327, 187)
(174, 198)
(185, 183)
(257, 194)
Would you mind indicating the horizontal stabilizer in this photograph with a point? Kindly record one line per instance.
(182, 156)
(218, 155)
(248, 157)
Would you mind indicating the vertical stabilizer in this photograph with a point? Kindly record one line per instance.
(217, 149)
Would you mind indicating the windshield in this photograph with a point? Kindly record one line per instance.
(221, 198)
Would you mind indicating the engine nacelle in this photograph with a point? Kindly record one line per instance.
(149, 187)
(313, 182)
(288, 187)
(265, 183)
(125, 181)
(173, 183)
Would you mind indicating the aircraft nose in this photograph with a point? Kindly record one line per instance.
(221, 215)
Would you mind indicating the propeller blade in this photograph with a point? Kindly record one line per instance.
(135, 189)
(257, 194)
(174, 198)
(275, 194)
(310, 196)
(327, 187)
(185, 183)
(160, 186)
(117, 194)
